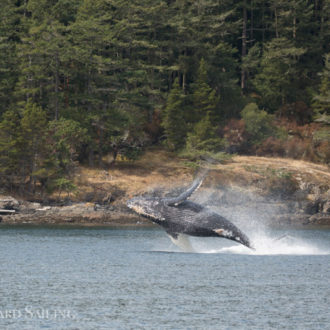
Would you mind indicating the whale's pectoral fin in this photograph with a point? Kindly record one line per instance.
(236, 236)
(185, 195)
(182, 241)
(172, 234)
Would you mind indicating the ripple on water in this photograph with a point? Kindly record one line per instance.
(138, 279)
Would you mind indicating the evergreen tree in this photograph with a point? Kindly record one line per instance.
(321, 104)
(106, 67)
(204, 98)
(204, 137)
(278, 75)
(223, 67)
(64, 138)
(9, 37)
(33, 128)
(43, 54)
(22, 144)
(205, 117)
(174, 118)
(10, 148)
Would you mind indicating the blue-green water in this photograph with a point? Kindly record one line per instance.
(101, 278)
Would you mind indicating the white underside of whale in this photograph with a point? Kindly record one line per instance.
(183, 242)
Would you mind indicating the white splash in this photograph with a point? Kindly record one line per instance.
(183, 243)
(268, 245)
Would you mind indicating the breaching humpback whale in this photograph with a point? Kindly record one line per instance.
(179, 216)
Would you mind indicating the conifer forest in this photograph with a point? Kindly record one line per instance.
(84, 79)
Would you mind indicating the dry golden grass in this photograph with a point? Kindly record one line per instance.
(153, 170)
(161, 169)
(314, 172)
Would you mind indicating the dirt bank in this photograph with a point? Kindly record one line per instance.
(280, 191)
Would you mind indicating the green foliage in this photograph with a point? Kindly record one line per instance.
(204, 137)
(22, 143)
(10, 144)
(205, 100)
(9, 36)
(321, 104)
(278, 73)
(222, 73)
(258, 123)
(36, 152)
(33, 126)
(102, 69)
(174, 118)
(65, 138)
(179, 117)
(63, 185)
(322, 135)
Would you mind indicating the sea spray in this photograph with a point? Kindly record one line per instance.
(254, 215)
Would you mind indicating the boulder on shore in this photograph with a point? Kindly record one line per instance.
(9, 203)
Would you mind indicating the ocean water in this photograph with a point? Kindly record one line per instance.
(103, 278)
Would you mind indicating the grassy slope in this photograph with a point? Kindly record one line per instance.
(159, 169)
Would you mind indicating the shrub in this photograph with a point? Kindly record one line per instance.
(297, 112)
(323, 151)
(271, 146)
(204, 137)
(236, 136)
(258, 123)
(63, 185)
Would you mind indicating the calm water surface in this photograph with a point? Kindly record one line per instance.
(101, 278)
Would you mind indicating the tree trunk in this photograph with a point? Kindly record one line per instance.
(276, 23)
(251, 19)
(321, 18)
(294, 29)
(91, 157)
(184, 75)
(56, 86)
(243, 73)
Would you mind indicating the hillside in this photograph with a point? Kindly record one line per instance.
(163, 171)
(278, 191)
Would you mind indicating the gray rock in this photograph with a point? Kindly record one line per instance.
(9, 203)
(326, 207)
(320, 219)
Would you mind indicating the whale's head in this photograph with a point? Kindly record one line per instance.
(147, 207)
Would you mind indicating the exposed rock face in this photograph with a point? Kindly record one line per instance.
(9, 203)
(80, 213)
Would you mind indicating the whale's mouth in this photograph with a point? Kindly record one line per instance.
(134, 205)
(138, 209)
(143, 209)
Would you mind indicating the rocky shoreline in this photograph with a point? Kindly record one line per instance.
(302, 208)
(271, 191)
(16, 212)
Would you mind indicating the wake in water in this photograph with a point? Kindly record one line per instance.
(285, 245)
(263, 243)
